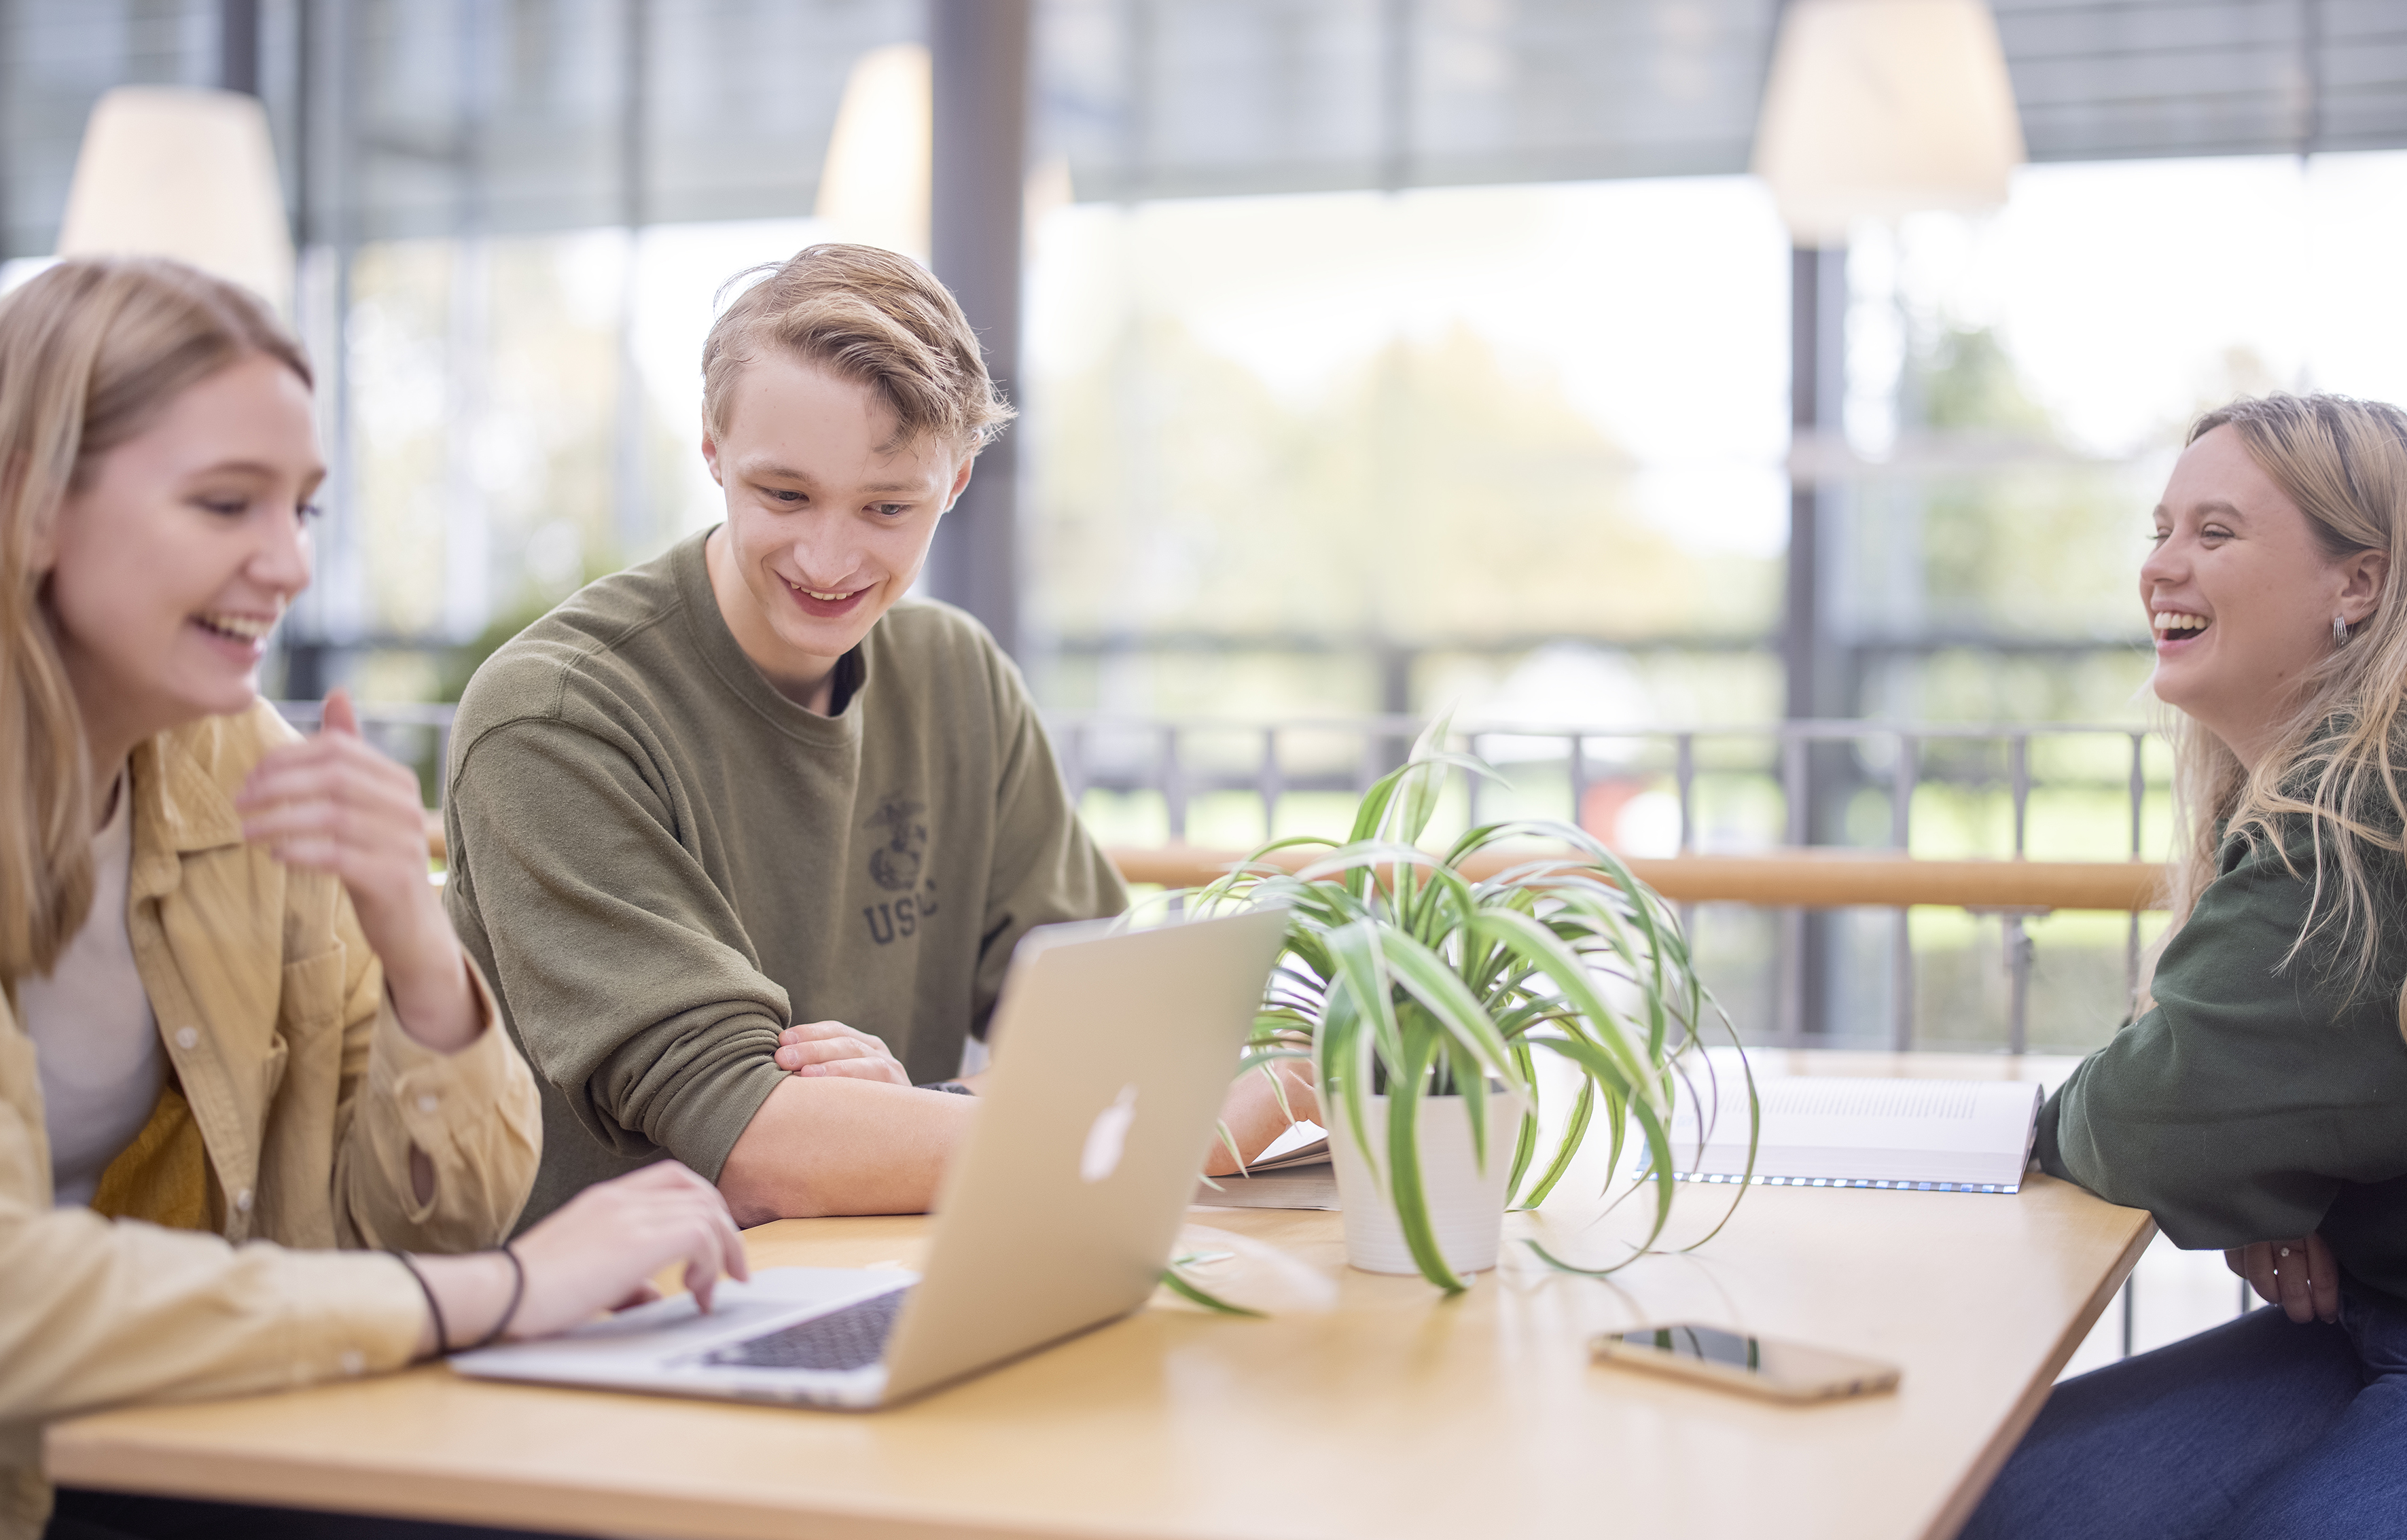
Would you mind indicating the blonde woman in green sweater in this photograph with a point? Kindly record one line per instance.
(2258, 1103)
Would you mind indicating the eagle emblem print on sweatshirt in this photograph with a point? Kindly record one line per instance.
(898, 865)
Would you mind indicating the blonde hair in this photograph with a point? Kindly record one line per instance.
(91, 352)
(868, 316)
(2334, 767)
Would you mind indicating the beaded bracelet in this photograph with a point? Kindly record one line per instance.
(443, 1347)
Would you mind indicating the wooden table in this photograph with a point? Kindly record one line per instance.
(1811, 878)
(1365, 1407)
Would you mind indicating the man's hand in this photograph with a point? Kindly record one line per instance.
(831, 1048)
(2299, 1276)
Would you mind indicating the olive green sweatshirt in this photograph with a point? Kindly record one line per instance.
(2256, 1102)
(659, 862)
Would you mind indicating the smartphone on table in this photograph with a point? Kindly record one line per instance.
(1763, 1366)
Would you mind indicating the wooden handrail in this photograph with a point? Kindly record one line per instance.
(1811, 879)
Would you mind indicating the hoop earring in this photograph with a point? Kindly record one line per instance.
(2340, 632)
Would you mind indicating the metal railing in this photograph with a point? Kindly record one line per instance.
(1111, 753)
(1169, 769)
(1106, 753)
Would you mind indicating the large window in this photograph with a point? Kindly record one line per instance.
(1356, 451)
(1400, 359)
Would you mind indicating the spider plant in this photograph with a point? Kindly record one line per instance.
(1405, 976)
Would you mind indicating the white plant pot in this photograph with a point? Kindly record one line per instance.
(1466, 1203)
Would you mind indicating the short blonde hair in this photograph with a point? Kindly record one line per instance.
(91, 352)
(868, 316)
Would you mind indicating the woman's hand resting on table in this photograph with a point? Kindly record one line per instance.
(333, 803)
(2299, 1276)
(600, 1252)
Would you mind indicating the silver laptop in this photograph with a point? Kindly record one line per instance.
(1113, 1051)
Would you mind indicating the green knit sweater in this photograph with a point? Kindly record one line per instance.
(2255, 1102)
(659, 862)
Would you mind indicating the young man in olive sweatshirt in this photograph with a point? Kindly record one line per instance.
(743, 838)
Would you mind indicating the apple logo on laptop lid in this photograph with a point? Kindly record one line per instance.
(1107, 1139)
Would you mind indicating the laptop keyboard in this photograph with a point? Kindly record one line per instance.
(853, 1338)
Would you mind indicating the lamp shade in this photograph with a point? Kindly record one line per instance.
(168, 171)
(874, 187)
(1881, 107)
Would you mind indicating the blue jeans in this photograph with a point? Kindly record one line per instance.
(2259, 1429)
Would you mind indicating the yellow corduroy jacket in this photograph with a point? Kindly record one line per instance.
(309, 1098)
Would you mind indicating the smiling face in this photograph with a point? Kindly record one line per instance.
(2241, 593)
(177, 551)
(827, 525)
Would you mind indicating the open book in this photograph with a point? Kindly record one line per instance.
(1293, 1172)
(1305, 1143)
(1929, 1136)
(1818, 1131)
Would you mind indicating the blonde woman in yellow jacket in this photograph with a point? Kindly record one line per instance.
(253, 1100)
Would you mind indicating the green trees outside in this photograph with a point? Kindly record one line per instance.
(1436, 494)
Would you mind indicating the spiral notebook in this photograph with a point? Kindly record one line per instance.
(1827, 1131)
